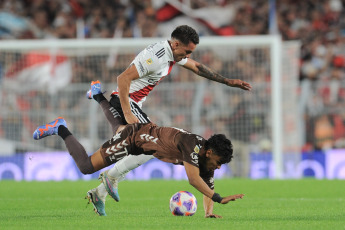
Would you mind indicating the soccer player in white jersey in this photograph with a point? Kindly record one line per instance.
(148, 68)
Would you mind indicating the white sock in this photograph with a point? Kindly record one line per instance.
(127, 164)
(101, 191)
(121, 168)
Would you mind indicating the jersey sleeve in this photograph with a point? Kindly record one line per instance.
(190, 145)
(146, 63)
(182, 62)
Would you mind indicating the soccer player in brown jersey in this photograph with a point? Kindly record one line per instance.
(199, 157)
(135, 83)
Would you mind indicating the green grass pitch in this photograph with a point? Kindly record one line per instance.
(268, 204)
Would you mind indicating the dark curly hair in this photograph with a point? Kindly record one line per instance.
(221, 146)
(185, 34)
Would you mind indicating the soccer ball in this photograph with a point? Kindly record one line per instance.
(183, 203)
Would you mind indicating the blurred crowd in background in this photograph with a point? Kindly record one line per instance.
(318, 24)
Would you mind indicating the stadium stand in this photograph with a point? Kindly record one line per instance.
(319, 25)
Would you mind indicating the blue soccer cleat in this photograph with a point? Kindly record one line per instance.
(49, 129)
(110, 184)
(97, 202)
(95, 89)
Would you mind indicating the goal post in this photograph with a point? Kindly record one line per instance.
(276, 97)
(42, 79)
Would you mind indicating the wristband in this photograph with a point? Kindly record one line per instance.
(217, 198)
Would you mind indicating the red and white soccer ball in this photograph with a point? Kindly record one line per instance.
(183, 203)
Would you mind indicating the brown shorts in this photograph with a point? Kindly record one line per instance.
(119, 145)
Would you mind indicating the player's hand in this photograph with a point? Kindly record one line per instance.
(213, 216)
(231, 198)
(131, 118)
(239, 84)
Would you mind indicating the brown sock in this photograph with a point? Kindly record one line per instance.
(76, 150)
(111, 114)
(63, 132)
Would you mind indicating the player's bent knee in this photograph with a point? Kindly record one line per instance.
(86, 171)
(86, 168)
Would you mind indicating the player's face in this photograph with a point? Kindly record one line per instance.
(213, 161)
(181, 51)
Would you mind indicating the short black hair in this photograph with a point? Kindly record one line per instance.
(221, 146)
(185, 34)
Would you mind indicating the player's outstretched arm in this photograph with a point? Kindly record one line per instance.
(227, 199)
(210, 196)
(208, 204)
(196, 181)
(208, 207)
(208, 73)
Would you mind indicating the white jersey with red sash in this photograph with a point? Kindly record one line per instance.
(153, 64)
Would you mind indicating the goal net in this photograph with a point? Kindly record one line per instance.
(41, 80)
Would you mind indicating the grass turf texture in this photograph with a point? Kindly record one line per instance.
(268, 204)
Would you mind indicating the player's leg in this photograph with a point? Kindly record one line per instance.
(86, 164)
(97, 195)
(135, 108)
(113, 176)
(111, 114)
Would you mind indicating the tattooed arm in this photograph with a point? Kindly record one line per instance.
(208, 73)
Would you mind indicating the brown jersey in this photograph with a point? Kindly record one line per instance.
(168, 144)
